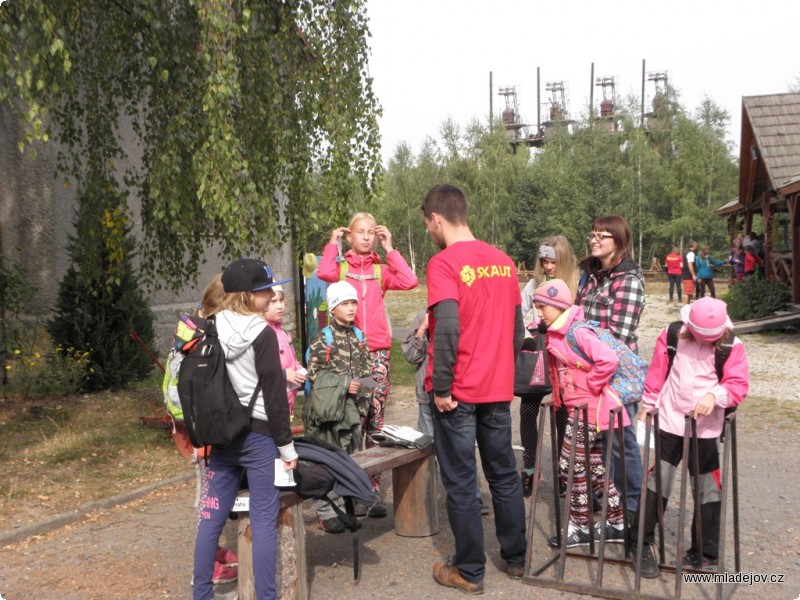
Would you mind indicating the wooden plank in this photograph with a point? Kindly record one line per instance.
(766, 323)
(416, 515)
(379, 459)
(414, 494)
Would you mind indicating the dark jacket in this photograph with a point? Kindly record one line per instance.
(349, 479)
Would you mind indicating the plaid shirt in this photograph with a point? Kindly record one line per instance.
(615, 299)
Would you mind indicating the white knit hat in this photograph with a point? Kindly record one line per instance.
(339, 292)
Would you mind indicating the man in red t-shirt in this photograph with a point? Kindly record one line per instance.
(475, 327)
(674, 263)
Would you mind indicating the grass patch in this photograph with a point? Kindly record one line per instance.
(770, 413)
(76, 449)
(402, 372)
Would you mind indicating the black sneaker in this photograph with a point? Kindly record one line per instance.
(691, 559)
(575, 537)
(377, 510)
(613, 535)
(649, 565)
(332, 525)
(527, 483)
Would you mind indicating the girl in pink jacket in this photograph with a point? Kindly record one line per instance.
(361, 267)
(576, 383)
(293, 369)
(691, 387)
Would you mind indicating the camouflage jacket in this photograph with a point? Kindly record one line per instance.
(348, 357)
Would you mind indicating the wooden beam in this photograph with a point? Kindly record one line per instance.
(794, 232)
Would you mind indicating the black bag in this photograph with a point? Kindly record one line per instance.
(531, 375)
(212, 412)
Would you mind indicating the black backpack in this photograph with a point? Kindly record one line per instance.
(721, 354)
(212, 412)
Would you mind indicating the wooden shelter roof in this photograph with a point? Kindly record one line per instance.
(771, 133)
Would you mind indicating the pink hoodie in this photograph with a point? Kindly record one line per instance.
(288, 360)
(371, 316)
(578, 382)
(693, 375)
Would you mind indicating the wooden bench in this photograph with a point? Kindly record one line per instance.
(415, 515)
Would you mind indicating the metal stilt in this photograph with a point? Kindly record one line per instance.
(533, 575)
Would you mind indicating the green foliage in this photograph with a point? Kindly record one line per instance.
(754, 298)
(34, 368)
(665, 179)
(15, 292)
(99, 301)
(253, 119)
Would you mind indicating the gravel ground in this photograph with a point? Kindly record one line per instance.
(143, 549)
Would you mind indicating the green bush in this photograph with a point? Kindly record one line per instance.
(754, 298)
(99, 300)
(15, 293)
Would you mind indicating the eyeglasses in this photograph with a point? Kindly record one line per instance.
(598, 236)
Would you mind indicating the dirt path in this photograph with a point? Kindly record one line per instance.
(143, 549)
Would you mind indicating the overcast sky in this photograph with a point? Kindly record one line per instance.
(431, 59)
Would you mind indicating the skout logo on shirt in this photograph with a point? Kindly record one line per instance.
(469, 275)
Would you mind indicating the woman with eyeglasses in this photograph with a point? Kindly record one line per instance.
(612, 293)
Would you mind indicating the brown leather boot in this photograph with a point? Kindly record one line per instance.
(448, 575)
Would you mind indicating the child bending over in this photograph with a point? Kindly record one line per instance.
(691, 386)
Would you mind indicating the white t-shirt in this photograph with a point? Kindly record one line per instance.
(690, 258)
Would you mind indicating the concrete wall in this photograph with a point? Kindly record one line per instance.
(36, 220)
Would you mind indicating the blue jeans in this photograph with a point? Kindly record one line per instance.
(425, 419)
(455, 435)
(633, 461)
(256, 454)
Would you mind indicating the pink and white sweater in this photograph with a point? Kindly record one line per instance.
(692, 376)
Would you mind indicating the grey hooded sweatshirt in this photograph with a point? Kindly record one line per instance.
(252, 355)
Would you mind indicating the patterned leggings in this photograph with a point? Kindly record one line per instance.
(579, 500)
(381, 364)
(529, 426)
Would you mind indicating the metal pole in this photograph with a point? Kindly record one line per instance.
(643, 78)
(491, 105)
(591, 94)
(538, 101)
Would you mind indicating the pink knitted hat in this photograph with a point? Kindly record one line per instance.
(554, 293)
(706, 318)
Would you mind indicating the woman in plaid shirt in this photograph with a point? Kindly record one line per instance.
(613, 294)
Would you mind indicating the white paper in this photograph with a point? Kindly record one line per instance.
(640, 433)
(242, 504)
(294, 386)
(283, 478)
(403, 432)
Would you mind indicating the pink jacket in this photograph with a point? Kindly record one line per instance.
(371, 316)
(693, 375)
(577, 382)
(288, 360)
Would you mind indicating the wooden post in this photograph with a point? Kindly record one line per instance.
(291, 571)
(414, 491)
(244, 549)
